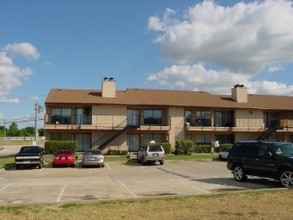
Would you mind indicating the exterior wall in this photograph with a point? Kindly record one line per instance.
(177, 129)
(242, 136)
(248, 118)
(108, 115)
(120, 143)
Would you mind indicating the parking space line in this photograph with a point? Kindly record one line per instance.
(107, 165)
(197, 188)
(132, 193)
(5, 187)
(61, 193)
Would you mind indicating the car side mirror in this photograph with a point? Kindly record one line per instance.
(269, 154)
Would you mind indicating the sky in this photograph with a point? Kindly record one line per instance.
(168, 44)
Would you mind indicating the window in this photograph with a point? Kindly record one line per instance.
(203, 118)
(133, 117)
(61, 116)
(225, 138)
(152, 137)
(263, 149)
(271, 119)
(83, 115)
(188, 116)
(223, 119)
(250, 151)
(62, 137)
(152, 117)
(203, 139)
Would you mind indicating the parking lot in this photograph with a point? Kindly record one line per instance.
(120, 181)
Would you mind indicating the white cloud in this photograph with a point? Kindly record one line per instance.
(198, 78)
(24, 49)
(9, 100)
(11, 75)
(241, 40)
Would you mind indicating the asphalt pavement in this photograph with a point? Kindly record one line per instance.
(9, 150)
(120, 181)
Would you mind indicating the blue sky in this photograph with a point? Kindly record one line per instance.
(179, 44)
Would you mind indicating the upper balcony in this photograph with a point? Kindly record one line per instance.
(105, 122)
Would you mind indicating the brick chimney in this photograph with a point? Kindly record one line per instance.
(239, 93)
(108, 88)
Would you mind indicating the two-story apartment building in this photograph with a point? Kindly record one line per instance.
(125, 120)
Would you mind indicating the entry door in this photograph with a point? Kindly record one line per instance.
(83, 141)
(133, 142)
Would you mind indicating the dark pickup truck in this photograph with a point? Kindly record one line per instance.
(29, 156)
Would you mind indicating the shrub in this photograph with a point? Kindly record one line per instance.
(224, 147)
(117, 152)
(203, 148)
(52, 146)
(184, 147)
(167, 147)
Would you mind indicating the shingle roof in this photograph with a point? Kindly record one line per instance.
(149, 97)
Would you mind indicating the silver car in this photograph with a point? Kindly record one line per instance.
(93, 157)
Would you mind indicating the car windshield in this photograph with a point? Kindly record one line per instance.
(284, 148)
(63, 152)
(29, 150)
(155, 148)
(93, 152)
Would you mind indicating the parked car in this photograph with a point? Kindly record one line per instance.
(263, 159)
(64, 158)
(93, 157)
(29, 156)
(223, 155)
(151, 154)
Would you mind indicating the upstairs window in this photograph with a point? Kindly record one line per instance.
(152, 117)
(61, 116)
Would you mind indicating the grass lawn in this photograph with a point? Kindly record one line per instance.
(265, 204)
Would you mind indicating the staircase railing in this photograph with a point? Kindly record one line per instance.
(109, 136)
(268, 132)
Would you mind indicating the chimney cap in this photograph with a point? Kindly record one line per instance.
(238, 85)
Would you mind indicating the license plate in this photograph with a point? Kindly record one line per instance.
(62, 158)
(93, 158)
(26, 162)
(155, 155)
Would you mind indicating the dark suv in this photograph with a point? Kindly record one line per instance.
(263, 159)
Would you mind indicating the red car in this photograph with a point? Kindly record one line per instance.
(64, 158)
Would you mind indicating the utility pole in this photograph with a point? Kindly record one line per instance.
(4, 129)
(36, 121)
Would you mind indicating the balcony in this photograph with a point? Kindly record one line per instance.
(104, 122)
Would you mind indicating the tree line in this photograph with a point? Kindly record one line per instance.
(14, 131)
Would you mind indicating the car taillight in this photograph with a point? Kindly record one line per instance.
(70, 157)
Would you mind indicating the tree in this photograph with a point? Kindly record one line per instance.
(13, 130)
(3, 131)
(41, 132)
(27, 132)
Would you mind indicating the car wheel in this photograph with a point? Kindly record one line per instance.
(40, 165)
(17, 167)
(286, 178)
(239, 174)
(161, 162)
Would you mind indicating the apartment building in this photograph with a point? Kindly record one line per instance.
(124, 120)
